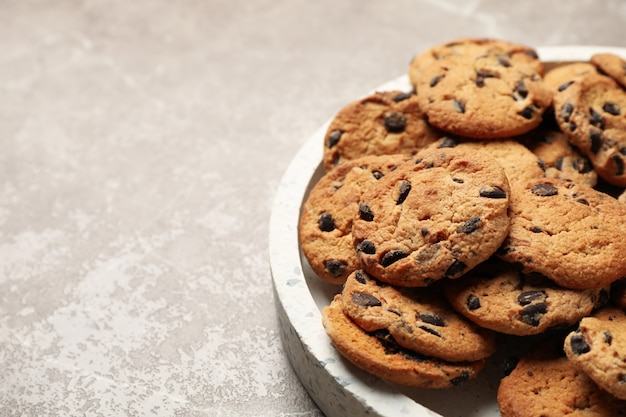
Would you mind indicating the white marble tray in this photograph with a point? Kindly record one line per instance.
(339, 388)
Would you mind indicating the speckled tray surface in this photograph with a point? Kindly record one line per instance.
(339, 388)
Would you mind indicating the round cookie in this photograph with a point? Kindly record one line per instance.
(612, 65)
(568, 232)
(435, 217)
(480, 97)
(592, 113)
(497, 296)
(378, 354)
(517, 161)
(509, 53)
(327, 214)
(560, 159)
(385, 122)
(545, 383)
(598, 348)
(560, 77)
(418, 319)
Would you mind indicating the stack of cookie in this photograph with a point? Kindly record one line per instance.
(483, 203)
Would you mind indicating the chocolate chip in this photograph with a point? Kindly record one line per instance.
(377, 174)
(564, 86)
(333, 138)
(394, 122)
(429, 330)
(431, 318)
(458, 105)
(528, 297)
(435, 80)
(582, 165)
(360, 277)
(566, 111)
(509, 364)
(447, 143)
(520, 92)
(367, 247)
(326, 222)
(608, 337)
(527, 112)
(480, 77)
(611, 108)
(544, 190)
(532, 54)
(455, 270)
(492, 191)
(335, 268)
(532, 313)
(472, 303)
(461, 378)
(392, 256)
(405, 188)
(469, 226)
(365, 300)
(504, 62)
(424, 232)
(619, 164)
(596, 119)
(536, 229)
(458, 180)
(579, 345)
(558, 164)
(596, 141)
(365, 212)
(401, 97)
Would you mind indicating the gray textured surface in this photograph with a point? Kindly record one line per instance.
(142, 144)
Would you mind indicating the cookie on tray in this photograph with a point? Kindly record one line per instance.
(508, 52)
(498, 296)
(592, 113)
(418, 319)
(436, 216)
(481, 97)
(571, 233)
(518, 162)
(385, 122)
(598, 348)
(561, 77)
(560, 159)
(377, 353)
(545, 383)
(612, 65)
(327, 215)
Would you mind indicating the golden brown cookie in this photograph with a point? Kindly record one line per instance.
(612, 65)
(418, 319)
(498, 296)
(560, 77)
(591, 111)
(571, 233)
(325, 226)
(545, 383)
(378, 354)
(598, 348)
(508, 53)
(385, 122)
(436, 216)
(560, 159)
(480, 97)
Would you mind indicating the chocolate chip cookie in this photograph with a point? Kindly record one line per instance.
(325, 227)
(377, 353)
(571, 233)
(598, 348)
(612, 65)
(545, 383)
(385, 122)
(436, 216)
(592, 113)
(498, 296)
(482, 97)
(418, 319)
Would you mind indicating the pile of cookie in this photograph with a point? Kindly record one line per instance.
(487, 202)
